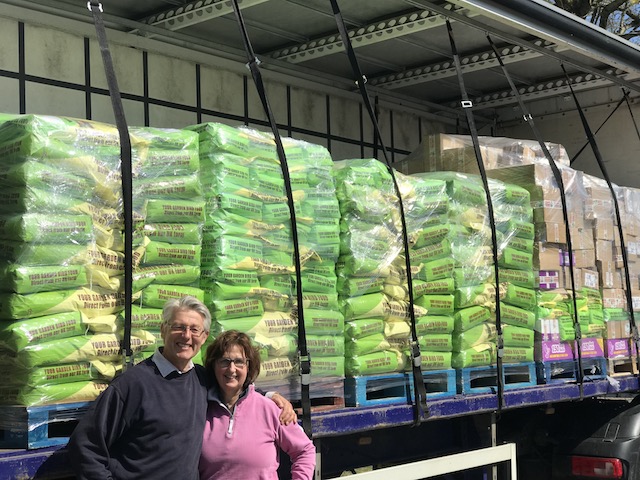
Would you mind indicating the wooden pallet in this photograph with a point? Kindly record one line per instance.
(617, 367)
(38, 427)
(320, 404)
(474, 380)
(566, 371)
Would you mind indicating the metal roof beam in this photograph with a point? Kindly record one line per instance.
(514, 39)
(544, 20)
(548, 88)
(196, 12)
(383, 30)
(470, 63)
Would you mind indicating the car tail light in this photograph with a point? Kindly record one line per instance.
(597, 467)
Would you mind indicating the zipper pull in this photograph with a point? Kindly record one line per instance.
(230, 430)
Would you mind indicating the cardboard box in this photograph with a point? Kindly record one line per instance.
(547, 212)
(533, 176)
(613, 298)
(547, 330)
(527, 151)
(617, 256)
(546, 257)
(551, 233)
(582, 277)
(619, 348)
(631, 225)
(635, 300)
(606, 270)
(550, 351)
(598, 208)
(589, 278)
(446, 152)
(604, 250)
(550, 279)
(617, 279)
(581, 238)
(617, 329)
(633, 244)
(603, 229)
(584, 259)
(543, 194)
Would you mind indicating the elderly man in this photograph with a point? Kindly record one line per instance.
(148, 423)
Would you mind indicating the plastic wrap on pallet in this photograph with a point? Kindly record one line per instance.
(169, 213)
(248, 271)
(62, 243)
(473, 301)
(61, 211)
(372, 279)
(448, 152)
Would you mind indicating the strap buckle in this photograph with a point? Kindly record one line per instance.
(305, 369)
(466, 103)
(364, 80)
(255, 61)
(577, 329)
(527, 117)
(90, 4)
(500, 346)
(415, 353)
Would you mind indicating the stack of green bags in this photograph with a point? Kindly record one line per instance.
(514, 221)
(248, 269)
(427, 209)
(372, 279)
(557, 305)
(169, 212)
(60, 219)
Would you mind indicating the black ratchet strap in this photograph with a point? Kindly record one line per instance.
(125, 166)
(625, 95)
(623, 249)
(557, 175)
(420, 406)
(303, 353)
(577, 154)
(466, 106)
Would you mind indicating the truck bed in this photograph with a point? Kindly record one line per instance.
(52, 463)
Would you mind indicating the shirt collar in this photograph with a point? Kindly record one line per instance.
(165, 366)
(213, 393)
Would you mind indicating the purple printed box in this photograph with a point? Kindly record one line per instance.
(619, 348)
(547, 329)
(563, 351)
(549, 279)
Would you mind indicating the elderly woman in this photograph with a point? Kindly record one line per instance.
(242, 432)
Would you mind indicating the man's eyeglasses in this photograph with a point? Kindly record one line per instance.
(238, 362)
(195, 331)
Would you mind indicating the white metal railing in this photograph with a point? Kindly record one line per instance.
(448, 464)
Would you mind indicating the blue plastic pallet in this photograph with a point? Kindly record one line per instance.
(567, 371)
(393, 388)
(438, 383)
(38, 427)
(373, 390)
(485, 379)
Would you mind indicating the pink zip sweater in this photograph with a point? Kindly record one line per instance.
(244, 445)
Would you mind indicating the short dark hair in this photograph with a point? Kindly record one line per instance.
(224, 342)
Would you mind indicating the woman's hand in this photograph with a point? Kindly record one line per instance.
(288, 414)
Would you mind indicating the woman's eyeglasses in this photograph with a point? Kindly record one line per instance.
(238, 362)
